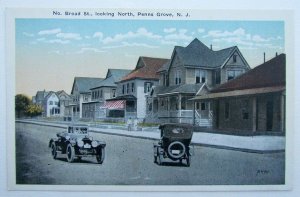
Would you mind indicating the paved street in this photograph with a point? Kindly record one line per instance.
(129, 161)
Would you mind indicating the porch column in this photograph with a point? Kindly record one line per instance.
(179, 107)
(282, 112)
(168, 106)
(254, 117)
(194, 111)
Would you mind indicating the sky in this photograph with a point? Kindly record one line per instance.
(51, 52)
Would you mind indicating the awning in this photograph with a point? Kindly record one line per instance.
(119, 104)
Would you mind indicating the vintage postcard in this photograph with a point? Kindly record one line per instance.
(149, 100)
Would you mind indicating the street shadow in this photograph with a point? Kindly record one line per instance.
(172, 164)
(79, 161)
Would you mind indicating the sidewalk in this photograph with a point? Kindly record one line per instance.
(255, 144)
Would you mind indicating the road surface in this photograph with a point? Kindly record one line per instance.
(129, 161)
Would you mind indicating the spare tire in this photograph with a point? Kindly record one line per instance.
(176, 150)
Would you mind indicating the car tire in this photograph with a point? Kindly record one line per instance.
(188, 161)
(100, 155)
(53, 150)
(70, 153)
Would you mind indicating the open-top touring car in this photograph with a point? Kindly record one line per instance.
(76, 142)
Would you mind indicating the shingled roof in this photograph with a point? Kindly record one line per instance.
(268, 74)
(112, 76)
(148, 70)
(197, 54)
(84, 84)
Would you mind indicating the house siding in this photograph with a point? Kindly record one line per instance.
(175, 66)
(236, 121)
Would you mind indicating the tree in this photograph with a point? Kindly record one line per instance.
(21, 103)
(33, 110)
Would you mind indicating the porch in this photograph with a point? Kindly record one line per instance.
(178, 108)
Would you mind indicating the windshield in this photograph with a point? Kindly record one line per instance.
(78, 130)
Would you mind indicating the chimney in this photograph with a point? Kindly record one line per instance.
(276, 54)
(264, 57)
(211, 47)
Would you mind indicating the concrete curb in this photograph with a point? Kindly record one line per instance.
(156, 139)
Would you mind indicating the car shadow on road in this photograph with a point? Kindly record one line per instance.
(82, 161)
(173, 164)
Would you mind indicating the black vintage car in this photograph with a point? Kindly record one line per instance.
(76, 142)
(174, 143)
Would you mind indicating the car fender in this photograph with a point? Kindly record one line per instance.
(101, 143)
(52, 140)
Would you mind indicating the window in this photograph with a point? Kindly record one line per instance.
(56, 103)
(231, 74)
(218, 76)
(226, 110)
(245, 109)
(197, 105)
(200, 76)
(203, 106)
(147, 87)
(127, 88)
(178, 77)
(234, 58)
(101, 93)
(162, 103)
(123, 89)
(50, 102)
(132, 87)
(113, 93)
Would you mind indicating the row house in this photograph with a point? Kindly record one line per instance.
(133, 88)
(96, 108)
(80, 93)
(192, 70)
(253, 102)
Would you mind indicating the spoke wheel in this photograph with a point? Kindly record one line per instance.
(53, 150)
(70, 153)
(100, 155)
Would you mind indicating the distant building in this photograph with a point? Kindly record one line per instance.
(39, 97)
(255, 101)
(191, 70)
(64, 100)
(105, 89)
(132, 89)
(80, 93)
(51, 105)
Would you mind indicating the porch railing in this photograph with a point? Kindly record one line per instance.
(175, 113)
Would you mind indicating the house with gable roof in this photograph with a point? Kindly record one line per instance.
(51, 105)
(132, 89)
(80, 93)
(64, 100)
(192, 70)
(105, 89)
(255, 101)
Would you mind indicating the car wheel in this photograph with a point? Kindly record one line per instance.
(53, 150)
(159, 161)
(70, 153)
(188, 161)
(100, 155)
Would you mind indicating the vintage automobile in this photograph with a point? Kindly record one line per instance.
(174, 143)
(76, 142)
